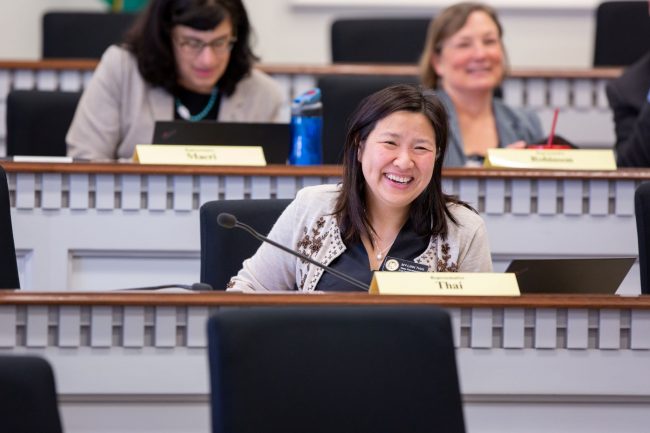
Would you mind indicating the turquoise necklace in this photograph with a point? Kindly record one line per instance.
(184, 112)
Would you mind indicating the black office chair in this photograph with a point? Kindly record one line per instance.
(642, 212)
(223, 250)
(38, 121)
(622, 32)
(378, 40)
(337, 369)
(8, 265)
(341, 94)
(27, 396)
(82, 35)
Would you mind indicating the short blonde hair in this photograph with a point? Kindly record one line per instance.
(442, 27)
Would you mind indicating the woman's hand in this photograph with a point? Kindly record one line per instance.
(521, 144)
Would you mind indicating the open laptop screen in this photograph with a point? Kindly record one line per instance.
(274, 138)
(597, 275)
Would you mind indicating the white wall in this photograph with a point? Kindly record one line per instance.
(20, 24)
(551, 33)
(536, 34)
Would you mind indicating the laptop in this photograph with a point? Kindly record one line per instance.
(275, 138)
(564, 276)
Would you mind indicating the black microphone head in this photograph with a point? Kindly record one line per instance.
(201, 287)
(227, 220)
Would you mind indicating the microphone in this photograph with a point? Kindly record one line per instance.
(229, 221)
(196, 287)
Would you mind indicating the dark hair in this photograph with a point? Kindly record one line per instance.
(150, 39)
(444, 26)
(429, 209)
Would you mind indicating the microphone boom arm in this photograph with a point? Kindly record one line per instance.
(334, 272)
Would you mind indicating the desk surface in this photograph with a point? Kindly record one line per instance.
(218, 298)
(316, 170)
(329, 69)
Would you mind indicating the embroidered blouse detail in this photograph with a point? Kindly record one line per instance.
(309, 245)
(428, 257)
(444, 262)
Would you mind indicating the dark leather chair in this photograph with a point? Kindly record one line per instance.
(82, 35)
(642, 212)
(8, 266)
(365, 369)
(341, 94)
(378, 40)
(622, 32)
(224, 250)
(27, 396)
(38, 121)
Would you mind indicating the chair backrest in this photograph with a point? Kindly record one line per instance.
(82, 35)
(38, 121)
(223, 250)
(8, 265)
(642, 212)
(341, 94)
(363, 369)
(27, 396)
(378, 40)
(622, 32)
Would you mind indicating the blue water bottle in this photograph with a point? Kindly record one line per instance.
(307, 129)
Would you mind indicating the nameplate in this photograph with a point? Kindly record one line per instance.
(444, 284)
(42, 159)
(199, 155)
(551, 159)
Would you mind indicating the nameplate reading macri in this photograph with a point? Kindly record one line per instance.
(199, 155)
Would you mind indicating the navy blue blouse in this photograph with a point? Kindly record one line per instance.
(354, 261)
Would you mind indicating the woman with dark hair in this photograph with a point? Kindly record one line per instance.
(464, 60)
(183, 59)
(388, 210)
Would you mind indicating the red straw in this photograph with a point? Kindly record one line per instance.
(552, 134)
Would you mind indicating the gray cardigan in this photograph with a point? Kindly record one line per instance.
(308, 226)
(512, 125)
(118, 109)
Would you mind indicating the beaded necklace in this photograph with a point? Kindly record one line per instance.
(184, 112)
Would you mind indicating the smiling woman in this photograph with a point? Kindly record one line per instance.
(389, 213)
(465, 61)
(183, 59)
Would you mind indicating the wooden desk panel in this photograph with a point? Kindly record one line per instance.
(580, 93)
(522, 359)
(106, 226)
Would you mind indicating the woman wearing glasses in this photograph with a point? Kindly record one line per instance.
(183, 59)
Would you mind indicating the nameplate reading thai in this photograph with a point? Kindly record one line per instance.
(551, 159)
(199, 155)
(444, 284)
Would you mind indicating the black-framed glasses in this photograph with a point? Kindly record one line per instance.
(194, 47)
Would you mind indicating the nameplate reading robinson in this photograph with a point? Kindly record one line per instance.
(551, 159)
